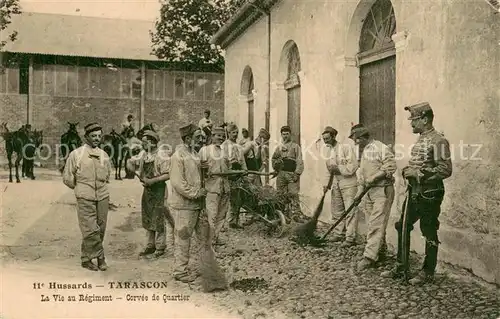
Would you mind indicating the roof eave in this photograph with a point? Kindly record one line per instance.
(246, 15)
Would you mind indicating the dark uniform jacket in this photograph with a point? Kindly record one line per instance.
(431, 157)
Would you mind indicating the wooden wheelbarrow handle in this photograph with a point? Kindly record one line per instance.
(231, 173)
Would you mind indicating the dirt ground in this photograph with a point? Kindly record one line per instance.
(40, 243)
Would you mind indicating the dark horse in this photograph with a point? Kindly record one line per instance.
(14, 143)
(128, 133)
(114, 145)
(35, 139)
(69, 142)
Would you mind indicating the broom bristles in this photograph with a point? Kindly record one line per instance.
(212, 275)
(307, 229)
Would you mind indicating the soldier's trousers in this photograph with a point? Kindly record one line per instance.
(235, 203)
(425, 208)
(286, 183)
(217, 206)
(341, 200)
(189, 225)
(92, 219)
(378, 209)
(157, 239)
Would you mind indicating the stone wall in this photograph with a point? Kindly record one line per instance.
(447, 54)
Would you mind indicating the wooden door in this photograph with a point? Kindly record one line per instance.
(377, 99)
(293, 118)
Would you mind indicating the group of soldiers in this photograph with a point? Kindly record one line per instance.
(373, 175)
(198, 184)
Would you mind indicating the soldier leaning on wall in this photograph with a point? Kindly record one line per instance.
(429, 165)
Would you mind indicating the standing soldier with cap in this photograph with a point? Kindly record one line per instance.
(262, 142)
(234, 154)
(287, 161)
(342, 163)
(153, 168)
(429, 165)
(218, 188)
(376, 170)
(185, 202)
(87, 171)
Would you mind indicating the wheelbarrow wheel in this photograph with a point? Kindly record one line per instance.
(278, 228)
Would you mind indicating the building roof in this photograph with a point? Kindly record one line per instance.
(71, 35)
(247, 14)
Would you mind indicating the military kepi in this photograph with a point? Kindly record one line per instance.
(218, 130)
(92, 127)
(357, 131)
(285, 128)
(419, 110)
(151, 134)
(330, 130)
(188, 130)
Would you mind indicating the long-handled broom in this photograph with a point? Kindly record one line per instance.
(212, 275)
(355, 203)
(305, 232)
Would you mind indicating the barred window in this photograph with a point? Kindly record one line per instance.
(61, 80)
(136, 84)
(179, 86)
(72, 72)
(199, 88)
(190, 85)
(169, 85)
(83, 81)
(48, 79)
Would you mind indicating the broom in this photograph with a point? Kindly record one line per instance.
(212, 275)
(355, 203)
(305, 232)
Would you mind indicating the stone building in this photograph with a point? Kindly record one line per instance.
(81, 69)
(314, 63)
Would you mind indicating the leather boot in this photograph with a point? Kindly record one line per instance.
(101, 264)
(89, 265)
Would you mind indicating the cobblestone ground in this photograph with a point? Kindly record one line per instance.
(323, 283)
(289, 281)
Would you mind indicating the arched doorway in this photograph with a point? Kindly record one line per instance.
(377, 73)
(292, 87)
(246, 91)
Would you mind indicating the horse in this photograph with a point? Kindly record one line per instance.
(115, 145)
(69, 142)
(35, 139)
(208, 135)
(14, 143)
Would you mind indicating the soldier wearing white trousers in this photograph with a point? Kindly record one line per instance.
(342, 163)
(376, 170)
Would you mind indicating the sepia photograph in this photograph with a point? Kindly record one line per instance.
(281, 159)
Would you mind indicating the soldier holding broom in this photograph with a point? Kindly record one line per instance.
(185, 202)
(342, 164)
(376, 171)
